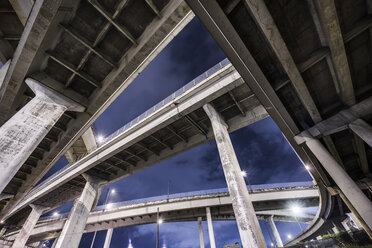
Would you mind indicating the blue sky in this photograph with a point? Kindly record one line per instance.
(261, 149)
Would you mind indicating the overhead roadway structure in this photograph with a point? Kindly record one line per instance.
(269, 201)
(88, 51)
(153, 138)
(305, 61)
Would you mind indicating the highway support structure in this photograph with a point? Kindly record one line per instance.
(22, 133)
(201, 235)
(212, 240)
(108, 238)
(74, 227)
(275, 231)
(249, 228)
(350, 193)
(28, 226)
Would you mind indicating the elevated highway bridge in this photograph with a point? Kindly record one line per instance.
(306, 64)
(269, 200)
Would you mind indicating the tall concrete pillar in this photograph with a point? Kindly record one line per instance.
(54, 243)
(28, 226)
(277, 237)
(355, 220)
(349, 189)
(249, 228)
(201, 235)
(363, 130)
(210, 228)
(108, 238)
(22, 133)
(75, 224)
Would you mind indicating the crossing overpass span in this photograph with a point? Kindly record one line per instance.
(268, 200)
(151, 137)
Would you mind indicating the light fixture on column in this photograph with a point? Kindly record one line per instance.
(289, 236)
(244, 173)
(55, 214)
(160, 221)
(113, 191)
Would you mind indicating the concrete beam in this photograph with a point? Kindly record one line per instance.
(22, 9)
(20, 135)
(267, 24)
(36, 27)
(275, 231)
(328, 21)
(363, 130)
(341, 120)
(201, 235)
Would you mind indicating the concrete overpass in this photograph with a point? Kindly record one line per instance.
(88, 52)
(149, 139)
(269, 200)
(307, 62)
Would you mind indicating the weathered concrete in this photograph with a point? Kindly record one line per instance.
(363, 130)
(21, 134)
(3, 71)
(181, 208)
(28, 226)
(89, 140)
(75, 224)
(22, 9)
(108, 238)
(249, 228)
(201, 235)
(277, 237)
(212, 241)
(348, 187)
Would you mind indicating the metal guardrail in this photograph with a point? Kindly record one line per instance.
(189, 194)
(153, 109)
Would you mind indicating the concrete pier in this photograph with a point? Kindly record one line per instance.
(28, 226)
(212, 241)
(277, 237)
(201, 235)
(108, 238)
(249, 228)
(22, 133)
(349, 188)
(75, 224)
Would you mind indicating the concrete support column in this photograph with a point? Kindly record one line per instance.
(277, 237)
(363, 130)
(210, 228)
(249, 228)
(355, 220)
(54, 243)
(349, 189)
(22, 133)
(75, 224)
(28, 226)
(201, 235)
(108, 238)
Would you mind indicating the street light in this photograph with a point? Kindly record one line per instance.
(55, 214)
(100, 138)
(160, 221)
(244, 173)
(289, 236)
(297, 210)
(113, 191)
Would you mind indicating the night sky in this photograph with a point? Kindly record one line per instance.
(261, 149)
